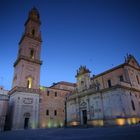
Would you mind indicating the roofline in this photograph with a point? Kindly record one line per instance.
(110, 70)
(64, 83)
(53, 88)
(114, 68)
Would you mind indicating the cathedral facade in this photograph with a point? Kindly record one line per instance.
(109, 98)
(112, 97)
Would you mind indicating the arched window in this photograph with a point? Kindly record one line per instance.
(32, 54)
(29, 82)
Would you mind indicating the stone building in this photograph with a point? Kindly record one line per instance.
(4, 98)
(32, 105)
(112, 97)
(24, 95)
(52, 104)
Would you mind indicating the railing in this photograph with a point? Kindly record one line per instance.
(24, 89)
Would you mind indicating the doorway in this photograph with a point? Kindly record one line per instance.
(26, 123)
(84, 113)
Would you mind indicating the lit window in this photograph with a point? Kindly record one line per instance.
(32, 54)
(29, 82)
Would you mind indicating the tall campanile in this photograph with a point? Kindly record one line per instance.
(24, 96)
(27, 65)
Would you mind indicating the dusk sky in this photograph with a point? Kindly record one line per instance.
(95, 33)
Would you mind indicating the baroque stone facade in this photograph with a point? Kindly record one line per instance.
(112, 97)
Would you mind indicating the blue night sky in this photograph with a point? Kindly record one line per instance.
(95, 33)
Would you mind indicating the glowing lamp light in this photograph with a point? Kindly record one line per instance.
(42, 88)
(97, 123)
(61, 124)
(43, 125)
(134, 120)
(49, 125)
(121, 121)
(55, 125)
(33, 125)
(74, 123)
(129, 121)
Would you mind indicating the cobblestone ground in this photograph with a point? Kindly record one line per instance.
(104, 133)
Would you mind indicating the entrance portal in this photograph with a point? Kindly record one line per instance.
(26, 123)
(84, 112)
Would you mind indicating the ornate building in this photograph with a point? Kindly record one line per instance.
(112, 97)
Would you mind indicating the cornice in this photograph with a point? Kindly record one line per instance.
(27, 59)
(24, 89)
(31, 37)
(102, 91)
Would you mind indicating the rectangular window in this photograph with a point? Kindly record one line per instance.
(55, 112)
(55, 94)
(47, 112)
(109, 83)
(121, 78)
(82, 82)
(40, 100)
(133, 105)
(137, 79)
(48, 92)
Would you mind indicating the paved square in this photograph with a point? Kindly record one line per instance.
(104, 133)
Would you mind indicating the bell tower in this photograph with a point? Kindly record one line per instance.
(27, 64)
(24, 95)
(83, 78)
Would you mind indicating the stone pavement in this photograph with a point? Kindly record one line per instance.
(103, 133)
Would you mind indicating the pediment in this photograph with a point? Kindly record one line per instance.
(132, 61)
